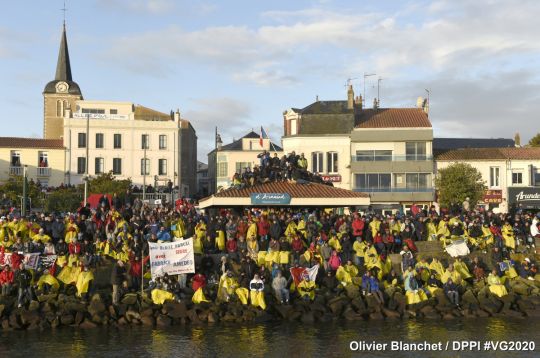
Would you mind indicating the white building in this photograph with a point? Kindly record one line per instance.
(133, 142)
(226, 160)
(511, 175)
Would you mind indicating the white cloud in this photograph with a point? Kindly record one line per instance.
(140, 6)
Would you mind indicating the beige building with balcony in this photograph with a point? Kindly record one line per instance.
(385, 152)
(43, 158)
(511, 175)
(226, 160)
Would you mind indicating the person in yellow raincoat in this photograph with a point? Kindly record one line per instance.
(200, 230)
(220, 239)
(228, 286)
(72, 230)
(69, 275)
(291, 230)
(375, 226)
(413, 293)
(40, 237)
(84, 282)
(253, 249)
(437, 268)
(431, 230)
(487, 237)
(453, 274)
(256, 292)
(306, 289)
(343, 276)
(508, 236)
(47, 283)
(160, 296)
(462, 269)
(422, 267)
(371, 258)
(335, 243)
(359, 248)
(495, 284)
(199, 296)
(178, 228)
(252, 231)
(443, 232)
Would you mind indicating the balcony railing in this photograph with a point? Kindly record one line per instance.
(15, 170)
(391, 158)
(43, 172)
(395, 190)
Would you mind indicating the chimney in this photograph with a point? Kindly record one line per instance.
(317, 98)
(375, 103)
(420, 102)
(358, 102)
(177, 115)
(517, 140)
(350, 98)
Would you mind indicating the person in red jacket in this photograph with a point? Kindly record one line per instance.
(135, 270)
(231, 245)
(297, 246)
(358, 226)
(6, 280)
(263, 228)
(198, 281)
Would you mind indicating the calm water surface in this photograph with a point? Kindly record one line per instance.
(266, 340)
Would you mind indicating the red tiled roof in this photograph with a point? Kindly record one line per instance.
(393, 117)
(17, 142)
(295, 190)
(491, 154)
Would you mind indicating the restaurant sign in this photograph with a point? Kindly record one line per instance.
(270, 199)
(526, 198)
(493, 196)
(332, 178)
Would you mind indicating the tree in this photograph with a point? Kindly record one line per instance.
(13, 189)
(535, 141)
(457, 182)
(107, 184)
(64, 200)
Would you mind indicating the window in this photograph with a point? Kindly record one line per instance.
(15, 158)
(113, 111)
(412, 181)
(415, 150)
(82, 140)
(494, 177)
(374, 182)
(331, 162)
(293, 127)
(100, 165)
(81, 165)
(93, 111)
(373, 155)
(99, 140)
(43, 159)
(145, 144)
(162, 141)
(117, 166)
(162, 167)
(59, 108)
(517, 178)
(145, 166)
(317, 162)
(222, 169)
(117, 141)
(241, 165)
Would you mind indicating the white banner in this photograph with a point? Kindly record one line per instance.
(30, 260)
(172, 258)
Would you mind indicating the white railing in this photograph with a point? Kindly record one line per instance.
(15, 170)
(43, 172)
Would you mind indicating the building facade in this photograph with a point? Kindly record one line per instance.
(386, 152)
(511, 175)
(226, 160)
(131, 141)
(43, 159)
(203, 181)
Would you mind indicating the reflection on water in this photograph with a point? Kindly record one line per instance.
(268, 340)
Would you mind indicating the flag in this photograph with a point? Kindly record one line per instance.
(263, 135)
(301, 273)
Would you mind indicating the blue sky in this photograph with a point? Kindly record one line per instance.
(238, 64)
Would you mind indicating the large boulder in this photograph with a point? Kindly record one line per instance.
(175, 309)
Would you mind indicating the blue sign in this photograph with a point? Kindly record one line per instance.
(270, 199)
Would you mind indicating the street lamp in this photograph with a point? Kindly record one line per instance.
(144, 167)
(86, 160)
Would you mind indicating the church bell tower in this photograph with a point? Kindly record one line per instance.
(59, 95)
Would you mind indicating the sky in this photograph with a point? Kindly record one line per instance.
(238, 64)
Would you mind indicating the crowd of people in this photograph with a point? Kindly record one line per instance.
(290, 167)
(256, 254)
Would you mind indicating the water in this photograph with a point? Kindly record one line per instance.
(268, 340)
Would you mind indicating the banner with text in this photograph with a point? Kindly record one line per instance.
(172, 258)
(30, 260)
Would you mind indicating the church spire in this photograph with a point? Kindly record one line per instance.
(63, 66)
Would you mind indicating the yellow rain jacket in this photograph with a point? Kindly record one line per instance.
(375, 227)
(180, 229)
(495, 285)
(307, 288)
(199, 296)
(83, 282)
(334, 243)
(454, 275)
(462, 269)
(437, 268)
(49, 280)
(69, 275)
(160, 296)
(257, 299)
(508, 236)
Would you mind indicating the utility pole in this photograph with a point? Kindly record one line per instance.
(428, 104)
(365, 76)
(25, 182)
(86, 159)
(378, 92)
(144, 168)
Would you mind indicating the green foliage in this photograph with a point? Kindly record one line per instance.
(535, 141)
(63, 200)
(13, 189)
(458, 182)
(107, 184)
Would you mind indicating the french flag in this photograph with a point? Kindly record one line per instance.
(263, 135)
